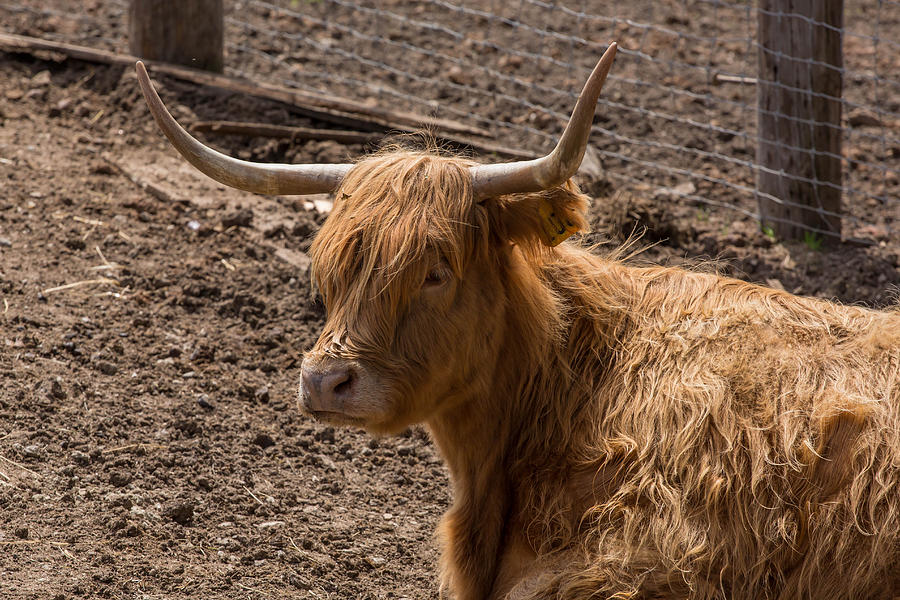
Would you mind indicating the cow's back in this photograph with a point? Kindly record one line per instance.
(762, 437)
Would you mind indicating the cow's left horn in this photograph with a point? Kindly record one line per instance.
(252, 177)
(555, 168)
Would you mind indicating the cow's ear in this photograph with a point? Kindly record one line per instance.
(545, 218)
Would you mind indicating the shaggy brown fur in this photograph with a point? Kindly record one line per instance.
(614, 431)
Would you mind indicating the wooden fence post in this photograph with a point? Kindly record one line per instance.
(187, 32)
(800, 60)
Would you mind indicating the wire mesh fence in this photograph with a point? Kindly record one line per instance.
(679, 111)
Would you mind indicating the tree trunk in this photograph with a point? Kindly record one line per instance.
(799, 104)
(187, 32)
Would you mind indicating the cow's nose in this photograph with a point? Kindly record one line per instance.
(326, 390)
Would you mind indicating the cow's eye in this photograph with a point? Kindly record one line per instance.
(436, 276)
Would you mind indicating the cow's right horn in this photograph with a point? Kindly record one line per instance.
(555, 168)
(252, 177)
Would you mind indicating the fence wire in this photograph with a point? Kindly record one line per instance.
(679, 110)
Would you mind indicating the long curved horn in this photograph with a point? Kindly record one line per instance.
(252, 177)
(554, 169)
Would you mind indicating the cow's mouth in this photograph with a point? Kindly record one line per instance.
(334, 418)
(339, 391)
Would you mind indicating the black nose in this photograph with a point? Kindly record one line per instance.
(328, 389)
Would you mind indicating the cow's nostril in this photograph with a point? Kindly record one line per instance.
(329, 389)
(343, 387)
(337, 382)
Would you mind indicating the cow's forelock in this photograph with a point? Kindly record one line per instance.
(394, 218)
(390, 214)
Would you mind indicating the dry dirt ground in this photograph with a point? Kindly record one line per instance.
(149, 441)
(150, 342)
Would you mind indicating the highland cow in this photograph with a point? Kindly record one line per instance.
(610, 431)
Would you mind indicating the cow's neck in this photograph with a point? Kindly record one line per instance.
(473, 442)
(506, 439)
(531, 358)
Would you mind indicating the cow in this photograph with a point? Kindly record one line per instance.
(610, 430)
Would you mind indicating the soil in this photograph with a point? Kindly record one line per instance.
(152, 323)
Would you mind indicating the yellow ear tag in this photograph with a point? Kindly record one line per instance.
(557, 228)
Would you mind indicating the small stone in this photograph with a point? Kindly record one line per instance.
(261, 394)
(189, 427)
(406, 450)
(105, 169)
(117, 499)
(117, 524)
(5, 242)
(459, 76)
(678, 191)
(203, 402)
(32, 451)
(36, 93)
(75, 243)
(104, 576)
(60, 107)
(241, 218)
(263, 440)
(181, 512)
(120, 478)
(860, 118)
(510, 61)
(270, 524)
(298, 582)
(375, 561)
(107, 368)
(56, 390)
(42, 78)
(81, 458)
(21, 533)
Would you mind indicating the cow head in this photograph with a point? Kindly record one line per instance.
(414, 263)
(412, 269)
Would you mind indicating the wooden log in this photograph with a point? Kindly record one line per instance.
(340, 111)
(799, 88)
(355, 137)
(187, 32)
(285, 132)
